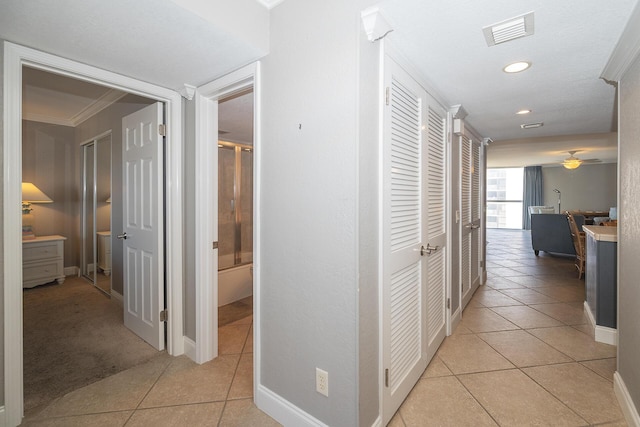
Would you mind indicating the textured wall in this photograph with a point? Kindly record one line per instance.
(2, 222)
(309, 269)
(590, 187)
(629, 233)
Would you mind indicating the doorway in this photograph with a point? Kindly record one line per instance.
(15, 58)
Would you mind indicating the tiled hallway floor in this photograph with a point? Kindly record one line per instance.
(523, 354)
(169, 392)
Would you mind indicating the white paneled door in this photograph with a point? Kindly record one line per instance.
(142, 237)
(413, 237)
(471, 206)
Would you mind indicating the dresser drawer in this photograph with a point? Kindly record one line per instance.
(44, 250)
(52, 269)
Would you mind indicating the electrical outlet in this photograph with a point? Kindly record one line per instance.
(322, 382)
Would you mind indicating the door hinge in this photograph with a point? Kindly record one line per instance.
(214, 245)
(386, 96)
(162, 129)
(386, 377)
(164, 314)
(449, 303)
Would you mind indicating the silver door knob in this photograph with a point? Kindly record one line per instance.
(428, 250)
(122, 236)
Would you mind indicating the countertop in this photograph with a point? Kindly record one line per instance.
(602, 233)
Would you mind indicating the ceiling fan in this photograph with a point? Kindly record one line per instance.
(572, 162)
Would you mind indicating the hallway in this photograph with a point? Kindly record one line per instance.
(523, 353)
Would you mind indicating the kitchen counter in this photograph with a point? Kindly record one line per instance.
(601, 281)
(601, 233)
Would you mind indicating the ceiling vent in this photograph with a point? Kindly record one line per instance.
(511, 29)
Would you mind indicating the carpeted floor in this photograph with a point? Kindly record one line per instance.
(74, 336)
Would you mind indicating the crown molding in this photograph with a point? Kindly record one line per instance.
(626, 50)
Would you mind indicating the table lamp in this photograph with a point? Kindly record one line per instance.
(30, 194)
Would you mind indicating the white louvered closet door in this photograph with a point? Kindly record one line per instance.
(476, 206)
(465, 219)
(413, 208)
(403, 335)
(435, 218)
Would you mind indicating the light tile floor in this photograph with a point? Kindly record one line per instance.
(523, 354)
(169, 392)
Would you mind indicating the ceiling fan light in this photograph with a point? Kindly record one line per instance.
(572, 163)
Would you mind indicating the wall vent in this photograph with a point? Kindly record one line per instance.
(511, 29)
(531, 125)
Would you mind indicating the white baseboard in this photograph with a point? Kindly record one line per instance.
(606, 335)
(190, 348)
(626, 403)
(117, 298)
(377, 422)
(602, 334)
(72, 271)
(456, 317)
(284, 411)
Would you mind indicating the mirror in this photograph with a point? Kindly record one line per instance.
(96, 213)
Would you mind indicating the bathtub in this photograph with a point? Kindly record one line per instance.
(235, 283)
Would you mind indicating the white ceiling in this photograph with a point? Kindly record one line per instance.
(171, 42)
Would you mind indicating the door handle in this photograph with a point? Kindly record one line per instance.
(428, 250)
(475, 227)
(122, 236)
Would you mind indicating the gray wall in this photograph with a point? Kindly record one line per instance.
(49, 160)
(629, 233)
(368, 238)
(590, 187)
(309, 229)
(2, 222)
(189, 220)
(111, 119)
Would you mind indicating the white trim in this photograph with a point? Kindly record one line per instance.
(626, 50)
(15, 57)
(284, 411)
(190, 348)
(606, 335)
(456, 317)
(377, 422)
(626, 402)
(117, 298)
(206, 208)
(72, 271)
(602, 334)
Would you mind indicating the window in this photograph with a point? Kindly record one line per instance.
(504, 197)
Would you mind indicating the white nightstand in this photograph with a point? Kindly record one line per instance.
(104, 251)
(42, 260)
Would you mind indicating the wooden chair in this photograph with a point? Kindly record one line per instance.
(613, 223)
(578, 243)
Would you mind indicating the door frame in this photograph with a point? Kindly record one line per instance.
(206, 125)
(15, 56)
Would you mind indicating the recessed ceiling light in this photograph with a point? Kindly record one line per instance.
(523, 112)
(516, 67)
(531, 125)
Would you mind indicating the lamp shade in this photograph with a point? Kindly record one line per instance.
(32, 194)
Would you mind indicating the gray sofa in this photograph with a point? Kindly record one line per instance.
(550, 233)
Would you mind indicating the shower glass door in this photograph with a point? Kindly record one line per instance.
(235, 204)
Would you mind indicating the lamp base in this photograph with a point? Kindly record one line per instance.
(27, 227)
